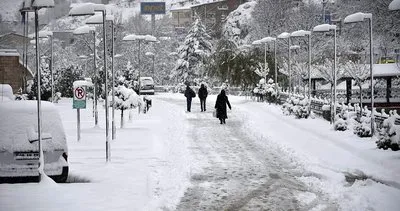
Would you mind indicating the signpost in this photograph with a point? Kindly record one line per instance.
(153, 9)
(79, 102)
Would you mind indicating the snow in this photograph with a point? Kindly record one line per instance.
(394, 5)
(6, 92)
(284, 35)
(133, 37)
(98, 19)
(9, 52)
(82, 9)
(151, 160)
(43, 3)
(21, 124)
(324, 28)
(83, 30)
(357, 17)
(300, 33)
(268, 39)
(82, 83)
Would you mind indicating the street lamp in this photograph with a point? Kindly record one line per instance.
(90, 9)
(328, 28)
(302, 33)
(286, 35)
(91, 30)
(152, 55)
(266, 40)
(139, 38)
(35, 6)
(98, 19)
(360, 17)
(394, 5)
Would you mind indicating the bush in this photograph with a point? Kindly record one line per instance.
(340, 124)
(387, 135)
(363, 129)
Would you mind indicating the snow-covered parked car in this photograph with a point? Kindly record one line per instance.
(19, 148)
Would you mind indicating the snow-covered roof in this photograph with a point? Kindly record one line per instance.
(381, 70)
(9, 52)
(43, 3)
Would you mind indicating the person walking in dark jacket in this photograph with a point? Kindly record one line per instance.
(220, 105)
(203, 95)
(189, 94)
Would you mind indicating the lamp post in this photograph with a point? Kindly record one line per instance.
(286, 35)
(394, 5)
(151, 54)
(360, 17)
(302, 33)
(91, 30)
(35, 6)
(327, 28)
(98, 19)
(90, 9)
(139, 38)
(266, 40)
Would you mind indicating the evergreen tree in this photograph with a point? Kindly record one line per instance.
(45, 83)
(65, 79)
(192, 52)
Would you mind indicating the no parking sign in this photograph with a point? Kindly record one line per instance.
(79, 97)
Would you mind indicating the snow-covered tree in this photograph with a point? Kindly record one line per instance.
(65, 78)
(239, 23)
(192, 52)
(128, 76)
(126, 98)
(45, 83)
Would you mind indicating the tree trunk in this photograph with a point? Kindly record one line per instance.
(122, 118)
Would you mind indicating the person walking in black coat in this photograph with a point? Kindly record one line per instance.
(220, 105)
(189, 94)
(203, 95)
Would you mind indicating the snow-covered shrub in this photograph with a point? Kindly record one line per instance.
(297, 107)
(363, 128)
(389, 135)
(301, 109)
(340, 123)
(125, 99)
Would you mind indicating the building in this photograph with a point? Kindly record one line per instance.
(212, 14)
(12, 71)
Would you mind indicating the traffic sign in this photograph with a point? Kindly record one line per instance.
(79, 98)
(152, 8)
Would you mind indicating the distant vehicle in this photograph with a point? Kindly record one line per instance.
(386, 60)
(146, 85)
(19, 149)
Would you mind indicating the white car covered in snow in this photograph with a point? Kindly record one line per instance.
(19, 148)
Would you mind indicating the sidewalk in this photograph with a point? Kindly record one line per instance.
(328, 156)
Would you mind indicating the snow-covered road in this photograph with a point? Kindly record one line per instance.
(233, 172)
(168, 159)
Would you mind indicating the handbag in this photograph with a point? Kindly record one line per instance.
(215, 113)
